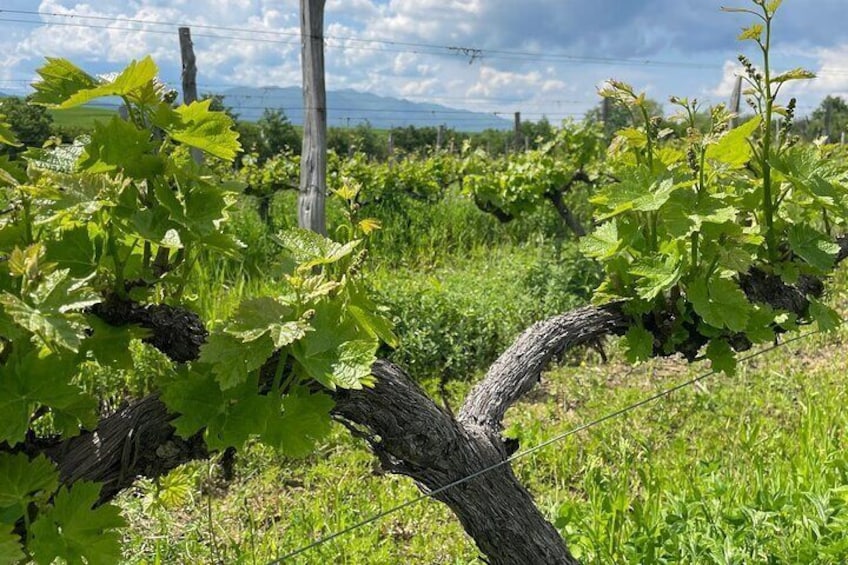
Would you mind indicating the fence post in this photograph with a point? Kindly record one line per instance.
(189, 78)
(735, 100)
(518, 131)
(313, 164)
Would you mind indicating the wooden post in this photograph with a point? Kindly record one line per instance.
(189, 78)
(735, 101)
(313, 164)
(440, 137)
(518, 131)
(606, 115)
(827, 120)
(391, 149)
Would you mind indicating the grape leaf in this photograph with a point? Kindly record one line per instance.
(196, 397)
(639, 344)
(325, 354)
(720, 302)
(733, 148)
(760, 325)
(118, 146)
(311, 249)
(255, 317)
(15, 408)
(23, 481)
(304, 421)
(74, 251)
(110, 344)
(826, 317)
(74, 531)
(60, 79)
(129, 82)
(246, 414)
(204, 205)
(10, 545)
(655, 275)
(49, 328)
(354, 362)
(812, 246)
(721, 356)
(377, 326)
(7, 136)
(30, 379)
(231, 359)
(602, 243)
(197, 126)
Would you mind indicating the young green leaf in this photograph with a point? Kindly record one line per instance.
(639, 344)
(118, 146)
(23, 481)
(231, 359)
(733, 148)
(655, 275)
(826, 317)
(10, 545)
(721, 356)
(603, 242)
(110, 345)
(129, 83)
(196, 397)
(720, 302)
(304, 421)
(60, 79)
(49, 328)
(812, 246)
(75, 531)
(198, 126)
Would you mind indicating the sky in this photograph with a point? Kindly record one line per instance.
(538, 57)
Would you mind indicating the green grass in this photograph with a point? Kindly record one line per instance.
(81, 116)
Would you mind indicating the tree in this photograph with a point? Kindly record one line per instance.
(276, 134)
(412, 139)
(32, 125)
(829, 120)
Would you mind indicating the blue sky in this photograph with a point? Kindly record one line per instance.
(540, 57)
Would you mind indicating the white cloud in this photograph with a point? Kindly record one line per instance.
(386, 46)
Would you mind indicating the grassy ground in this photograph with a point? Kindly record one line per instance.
(81, 117)
(750, 469)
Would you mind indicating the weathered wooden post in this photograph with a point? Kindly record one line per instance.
(189, 77)
(735, 101)
(313, 164)
(517, 131)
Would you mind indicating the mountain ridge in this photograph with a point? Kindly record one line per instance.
(348, 108)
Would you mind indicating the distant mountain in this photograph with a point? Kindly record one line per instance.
(349, 108)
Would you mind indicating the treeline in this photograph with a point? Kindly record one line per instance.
(273, 133)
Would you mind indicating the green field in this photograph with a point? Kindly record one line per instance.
(81, 116)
